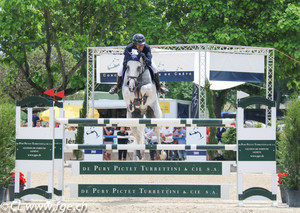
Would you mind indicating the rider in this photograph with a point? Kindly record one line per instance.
(138, 45)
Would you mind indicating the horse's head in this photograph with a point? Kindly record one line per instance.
(134, 70)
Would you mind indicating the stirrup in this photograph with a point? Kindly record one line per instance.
(113, 90)
(163, 90)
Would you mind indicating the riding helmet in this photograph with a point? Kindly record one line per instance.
(138, 39)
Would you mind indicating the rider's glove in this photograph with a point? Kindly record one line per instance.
(146, 60)
(143, 55)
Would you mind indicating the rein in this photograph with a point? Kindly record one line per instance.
(138, 79)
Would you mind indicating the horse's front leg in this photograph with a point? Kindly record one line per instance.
(148, 93)
(128, 98)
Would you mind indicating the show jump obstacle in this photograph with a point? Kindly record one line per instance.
(255, 154)
(39, 149)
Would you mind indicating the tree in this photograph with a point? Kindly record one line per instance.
(56, 27)
(287, 70)
(18, 88)
(288, 29)
(180, 90)
(72, 26)
(243, 22)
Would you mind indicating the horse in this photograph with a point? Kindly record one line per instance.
(140, 95)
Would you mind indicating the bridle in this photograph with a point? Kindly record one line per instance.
(137, 79)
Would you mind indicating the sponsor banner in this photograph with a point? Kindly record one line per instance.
(164, 76)
(256, 150)
(37, 149)
(165, 106)
(149, 190)
(154, 168)
(171, 66)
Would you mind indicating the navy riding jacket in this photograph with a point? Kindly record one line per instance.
(130, 54)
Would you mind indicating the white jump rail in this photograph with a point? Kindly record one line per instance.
(151, 147)
(134, 122)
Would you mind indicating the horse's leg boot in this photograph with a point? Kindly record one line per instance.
(144, 99)
(116, 88)
(131, 107)
(159, 88)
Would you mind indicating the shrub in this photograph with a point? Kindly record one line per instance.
(289, 146)
(7, 139)
(229, 137)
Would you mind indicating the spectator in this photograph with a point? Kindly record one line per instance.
(34, 119)
(220, 131)
(38, 123)
(181, 133)
(166, 134)
(175, 141)
(122, 153)
(108, 131)
(151, 137)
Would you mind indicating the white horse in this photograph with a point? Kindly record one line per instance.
(140, 95)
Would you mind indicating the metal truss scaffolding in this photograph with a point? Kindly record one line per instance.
(202, 49)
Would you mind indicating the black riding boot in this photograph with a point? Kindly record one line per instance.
(116, 88)
(159, 88)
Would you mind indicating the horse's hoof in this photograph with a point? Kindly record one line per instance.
(163, 90)
(113, 90)
(131, 107)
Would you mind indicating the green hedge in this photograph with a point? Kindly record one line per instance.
(7, 140)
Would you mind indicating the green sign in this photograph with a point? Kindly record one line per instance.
(58, 151)
(153, 168)
(33, 149)
(149, 190)
(256, 150)
(37, 149)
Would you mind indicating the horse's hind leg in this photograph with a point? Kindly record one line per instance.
(138, 133)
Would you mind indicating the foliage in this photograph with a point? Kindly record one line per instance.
(79, 139)
(258, 125)
(229, 137)
(54, 27)
(7, 139)
(20, 88)
(213, 130)
(289, 146)
(281, 176)
(288, 25)
(242, 22)
(180, 90)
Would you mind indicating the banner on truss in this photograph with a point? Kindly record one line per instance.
(222, 69)
(172, 66)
